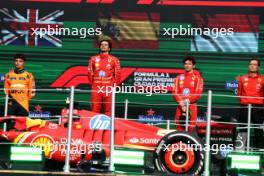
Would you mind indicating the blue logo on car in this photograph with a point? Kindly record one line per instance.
(100, 122)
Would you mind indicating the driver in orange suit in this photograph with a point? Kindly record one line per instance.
(19, 86)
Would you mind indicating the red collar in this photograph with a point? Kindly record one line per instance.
(103, 55)
(188, 73)
(257, 75)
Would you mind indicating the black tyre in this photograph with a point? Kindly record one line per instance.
(179, 153)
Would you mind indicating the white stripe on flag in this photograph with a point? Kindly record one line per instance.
(237, 42)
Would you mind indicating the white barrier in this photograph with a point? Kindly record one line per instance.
(68, 145)
(208, 134)
(112, 134)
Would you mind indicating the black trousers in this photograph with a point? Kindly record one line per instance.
(257, 117)
(14, 108)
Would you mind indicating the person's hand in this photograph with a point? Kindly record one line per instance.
(184, 108)
(182, 103)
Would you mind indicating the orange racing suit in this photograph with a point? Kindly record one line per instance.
(19, 87)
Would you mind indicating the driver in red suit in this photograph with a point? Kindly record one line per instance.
(188, 88)
(251, 86)
(103, 72)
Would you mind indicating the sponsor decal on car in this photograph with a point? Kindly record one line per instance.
(46, 142)
(143, 140)
(100, 122)
(150, 117)
(53, 126)
(39, 113)
(133, 140)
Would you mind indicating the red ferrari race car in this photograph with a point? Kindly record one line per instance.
(173, 151)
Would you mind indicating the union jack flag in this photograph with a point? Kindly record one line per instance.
(20, 28)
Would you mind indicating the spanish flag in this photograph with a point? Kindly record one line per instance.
(131, 30)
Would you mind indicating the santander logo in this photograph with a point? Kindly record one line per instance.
(133, 140)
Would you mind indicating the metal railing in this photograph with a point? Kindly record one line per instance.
(126, 106)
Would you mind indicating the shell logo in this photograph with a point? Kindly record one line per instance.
(45, 142)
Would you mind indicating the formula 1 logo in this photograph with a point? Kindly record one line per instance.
(100, 122)
(78, 75)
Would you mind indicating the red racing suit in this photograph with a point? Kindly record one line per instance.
(251, 87)
(103, 71)
(188, 87)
